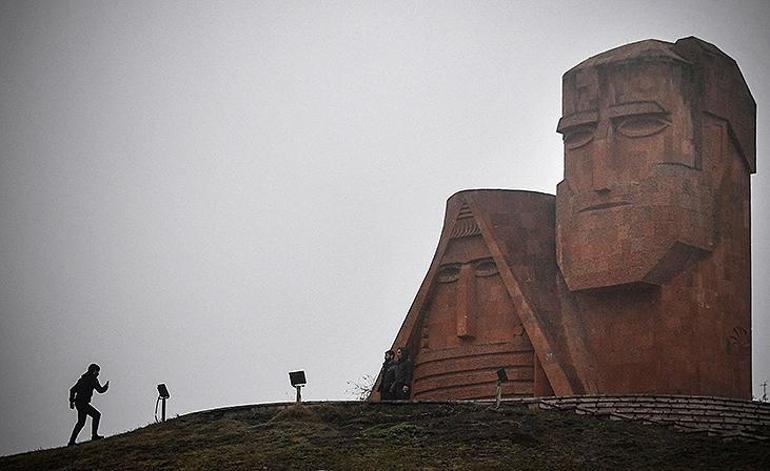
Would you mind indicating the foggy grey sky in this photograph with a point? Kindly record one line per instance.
(212, 194)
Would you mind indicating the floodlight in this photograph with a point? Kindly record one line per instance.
(502, 377)
(297, 378)
(163, 394)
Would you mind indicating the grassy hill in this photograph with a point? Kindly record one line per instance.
(365, 436)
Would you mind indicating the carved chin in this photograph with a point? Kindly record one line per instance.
(625, 245)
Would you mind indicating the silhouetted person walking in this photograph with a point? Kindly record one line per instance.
(80, 398)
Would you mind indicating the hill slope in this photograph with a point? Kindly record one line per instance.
(397, 436)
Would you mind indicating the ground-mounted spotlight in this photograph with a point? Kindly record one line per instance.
(163, 394)
(502, 377)
(298, 381)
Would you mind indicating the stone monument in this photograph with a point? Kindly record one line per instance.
(636, 277)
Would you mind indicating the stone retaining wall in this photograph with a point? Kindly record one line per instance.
(727, 418)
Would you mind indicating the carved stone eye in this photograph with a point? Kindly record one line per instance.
(448, 273)
(641, 126)
(578, 136)
(485, 268)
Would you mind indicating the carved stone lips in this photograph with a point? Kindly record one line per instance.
(605, 205)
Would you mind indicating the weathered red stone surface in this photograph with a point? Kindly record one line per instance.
(636, 278)
(471, 315)
(653, 220)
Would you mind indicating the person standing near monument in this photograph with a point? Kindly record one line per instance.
(80, 399)
(402, 384)
(388, 375)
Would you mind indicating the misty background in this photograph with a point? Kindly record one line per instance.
(212, 194)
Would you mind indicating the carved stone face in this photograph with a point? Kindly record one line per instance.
(634, 205)
(469, 303)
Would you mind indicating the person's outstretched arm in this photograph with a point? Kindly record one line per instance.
(101, 389)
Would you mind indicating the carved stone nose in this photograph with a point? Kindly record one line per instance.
(600, 166)
(466, 300)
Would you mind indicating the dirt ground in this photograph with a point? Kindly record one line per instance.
(363, 436)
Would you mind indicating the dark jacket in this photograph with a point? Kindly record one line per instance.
(403, 374)
(83, 390)
(388, 375)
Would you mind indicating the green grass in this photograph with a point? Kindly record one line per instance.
(365, 436)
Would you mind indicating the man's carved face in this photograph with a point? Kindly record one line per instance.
(634, 205)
